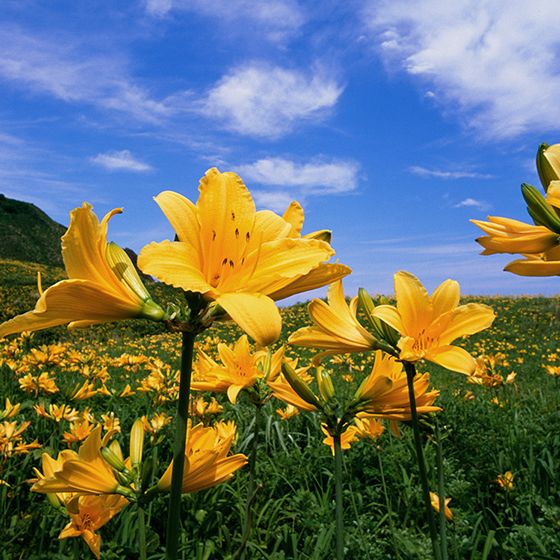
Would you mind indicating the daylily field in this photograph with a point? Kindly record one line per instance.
(495, 444)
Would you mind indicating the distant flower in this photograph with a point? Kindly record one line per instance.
(102, 284)
(239, 258)
(434, 498)
(239, 370)
(505, 481)
(429, 324)
(347, 438)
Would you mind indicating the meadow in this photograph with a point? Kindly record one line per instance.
(500, 443)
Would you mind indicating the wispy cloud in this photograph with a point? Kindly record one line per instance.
(496, 66)
(315, 177)
(121, 160)
(441, 174)
(276, 201)
(473, 203)
(268, 101)
(275, 18)
(70, 72)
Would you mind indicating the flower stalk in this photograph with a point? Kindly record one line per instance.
(338, 495)
(410, 374)
(174, 513)
(441, 493)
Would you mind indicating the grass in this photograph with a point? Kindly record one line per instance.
(514, 427)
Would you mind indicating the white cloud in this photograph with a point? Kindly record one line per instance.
(494, 62)
(275, 18)
(316, 177)
(440, 174)
(69, 72)
(268, 101)
(121, 160)
(473, 203)
(276, 201)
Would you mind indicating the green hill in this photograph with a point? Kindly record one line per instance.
(28, 234)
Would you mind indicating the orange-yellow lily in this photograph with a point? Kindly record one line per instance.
(102, 283)
(434, 499)
(84, 473)
(384, 393)
(429, 324)
(239, 370)
(206, 460)
(238, 257)
(88, 514)
(336, 328)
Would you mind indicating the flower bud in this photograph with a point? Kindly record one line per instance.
(326, 387)
(136, 442)
(299, 386)
(113, 459)
(542, 213)
(548, 164)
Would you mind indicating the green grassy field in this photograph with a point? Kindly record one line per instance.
(484, 432)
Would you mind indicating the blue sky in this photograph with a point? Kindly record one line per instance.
(390, 124)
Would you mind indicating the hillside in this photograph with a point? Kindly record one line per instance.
(28, 234)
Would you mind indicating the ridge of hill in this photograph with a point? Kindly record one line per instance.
(28, 234)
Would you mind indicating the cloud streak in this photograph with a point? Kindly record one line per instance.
(440, 174)
(498, 67)
(121, 160)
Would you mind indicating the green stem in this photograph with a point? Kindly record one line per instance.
(441, 492)
(338, 496)
(410, 374)
(252, 489)
(388, 505)
(174, 513)
(141, 533)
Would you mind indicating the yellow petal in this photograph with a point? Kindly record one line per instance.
(466, 320)
(453, 358)
(534, 267)
(83, 247)
(232, 392)
(321, 276)
(413, 303)
(294, 216)
(280, 262)
(226, 213)
(256, 314)
(182, 215)
(175, 263)
(445, 297)
(389, 315)
(72, 300)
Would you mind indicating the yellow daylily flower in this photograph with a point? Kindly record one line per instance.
(336, 328)
(239, 370)
(92, 512)
(434, 499)
(512, 236)
(206, 460)
(505, 481)
(88, 473)
(553, 194)
(347, 438)
(429, 324)
(50, 467)
(238, 257)
(102, 283)
(384, 393)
